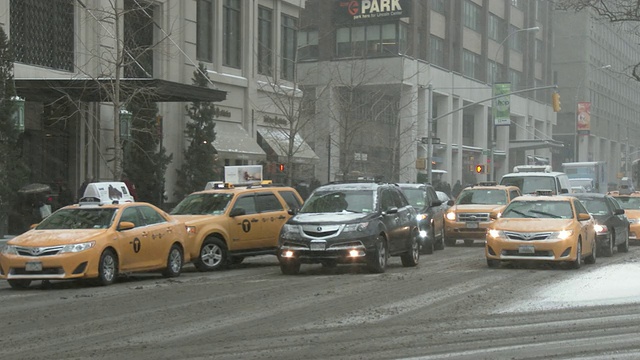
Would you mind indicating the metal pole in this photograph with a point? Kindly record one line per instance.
(429, 135)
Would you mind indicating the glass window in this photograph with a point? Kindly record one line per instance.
(204, 30)
(516, 40)
(389, 39)
(471, 15)
(247, 203)
(373, 40)
(343, 42)
(436, 50)
(131, 214)
(203, 204)
(267, 202)
(151, 216)
(265, 41)
(515, 77)
(495, 28)
(438, 6)
(470, 63)
(358, 41)
(291, 199)
(308, 45)
(289, 42)
(42, 32)
(539, 50)
(138, 39)
(78, 219)
(231, 46)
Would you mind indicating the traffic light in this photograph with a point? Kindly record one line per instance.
(281, 167)
(480, 169)
(555, 101)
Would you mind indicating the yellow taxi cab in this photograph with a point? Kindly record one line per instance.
(542, 227)
(229, 222)
(468, 216)
(105, 234)
(631, 204)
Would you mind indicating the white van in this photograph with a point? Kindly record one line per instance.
(530, 182)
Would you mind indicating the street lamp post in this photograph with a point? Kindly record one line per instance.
(492, 140)
(576, 156)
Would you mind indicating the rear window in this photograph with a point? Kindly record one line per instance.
(530, 184)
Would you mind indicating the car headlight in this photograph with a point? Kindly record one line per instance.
(563, 235)
(451, 216)
(634, 221)
(421, 217)
(289, 231)
(9, 250)
(74, 248)
(496, 234)
(356, 227)
(600, 228)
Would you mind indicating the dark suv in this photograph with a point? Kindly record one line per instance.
(424, 199)
(346, 223)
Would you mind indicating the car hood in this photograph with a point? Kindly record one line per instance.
(632, 214)
(477, 207)
(332, 217)
(537, 225)
(55, 237)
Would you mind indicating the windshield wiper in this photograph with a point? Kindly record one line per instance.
(520, 213)
(546, 213)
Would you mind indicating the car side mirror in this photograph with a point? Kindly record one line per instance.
(292, 211)
(494, 215)
(618, 212)
(126, 225)
(436, 203)
(450, 202)
(237, 212)
(391, 210)
(564, 191)
(584, 217)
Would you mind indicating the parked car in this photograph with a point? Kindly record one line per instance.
(612, 225)
(351, 223)
(430, 216)
(542, 227)
(104, 235)
(227, 222)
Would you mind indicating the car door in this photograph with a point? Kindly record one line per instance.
(619, 219)
(435, 212)
(161, 233)
(134, 246)
(245, 229)
(407, 215)
(273, 214)
(391, 219)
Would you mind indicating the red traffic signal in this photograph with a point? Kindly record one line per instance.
(281, 167)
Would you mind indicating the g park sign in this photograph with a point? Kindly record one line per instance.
(502, 104)
(351, 11)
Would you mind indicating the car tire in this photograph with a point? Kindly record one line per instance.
(411, 258)
(493, 263)
(439, 245)
(577, 263)
(607, 249)
(174, 262)
(428, 247)
(591, 259)
(377, 259)
(213, 255)
(107, 268)
(19, 284)
(290, 267)
(468, 242)
(624, 247)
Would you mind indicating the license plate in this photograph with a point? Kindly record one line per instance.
(33, 266)
(472, 225)
(526, 250)
(317, 246)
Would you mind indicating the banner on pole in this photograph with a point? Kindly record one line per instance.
(584, 118)
(502, 104)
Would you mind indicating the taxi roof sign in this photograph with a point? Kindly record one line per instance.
(101, 193)
(218, 185)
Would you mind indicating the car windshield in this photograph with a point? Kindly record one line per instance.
(539, 209)
(78, 218)
(530, 184)
(482, 196)
(337, 201)
(596, 206)
(415, 196)
(629, 203)
(203, 204)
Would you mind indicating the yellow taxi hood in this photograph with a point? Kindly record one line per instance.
(633, 214)
(194, 219)
(477, 207)
(533, 225)
(55, 237)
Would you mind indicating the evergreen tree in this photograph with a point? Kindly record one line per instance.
(14, 173)
(200, 164)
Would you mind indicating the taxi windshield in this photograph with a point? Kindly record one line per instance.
(482, 196)
(416, 197)
(361, 201)
(539, 210)
(78, 218)
(530, 184)
(629, 202)
(203, 204)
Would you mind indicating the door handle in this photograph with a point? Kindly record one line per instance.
(169, 230)
(145, 234)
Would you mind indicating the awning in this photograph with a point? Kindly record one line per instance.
(278, 140)
(534, 144)
(233, 142)
(98, 90)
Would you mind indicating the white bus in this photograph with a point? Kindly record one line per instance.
(588, 170)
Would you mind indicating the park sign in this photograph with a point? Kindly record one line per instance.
(502, 104)
(354, 11)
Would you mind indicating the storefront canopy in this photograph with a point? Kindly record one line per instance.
(278, 140)
(233, 142)
(101, 90)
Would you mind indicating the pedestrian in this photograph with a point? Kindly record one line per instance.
(83, 187)
(132, 188)
(457, 187)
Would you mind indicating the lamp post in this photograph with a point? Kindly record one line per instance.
(576, 156)
(492, 140)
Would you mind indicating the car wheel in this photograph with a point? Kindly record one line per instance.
(213, 255)
(493, 263)
(19, 284)
(107, 268)
(439, 245)
(468, 242)
(377, 260)
(577, 263)
(607, 250)
(174, 262)
(412, 256)
(290, 267)
(591, 259)
(235, 260)
(624, 247)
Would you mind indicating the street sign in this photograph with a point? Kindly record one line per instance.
(435, 141)
(486, 152)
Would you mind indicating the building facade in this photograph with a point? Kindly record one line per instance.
(371, 65)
